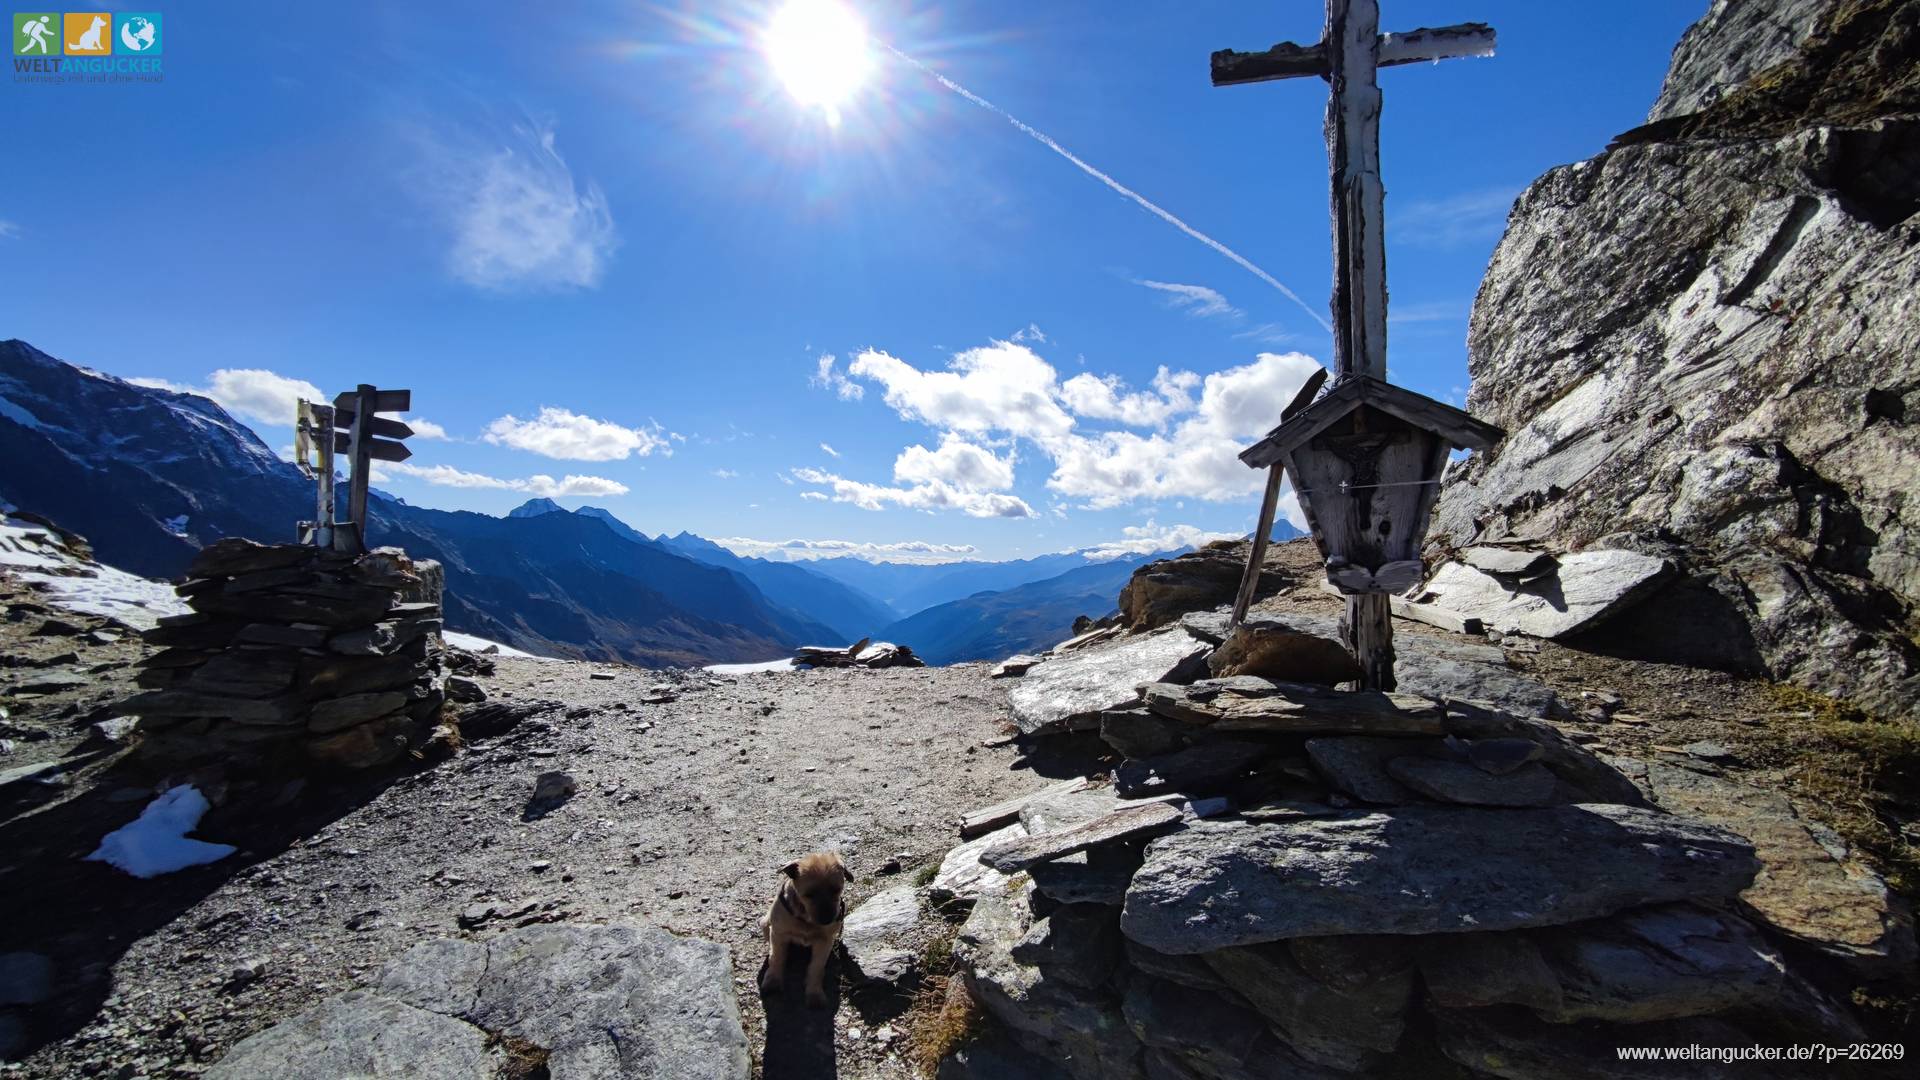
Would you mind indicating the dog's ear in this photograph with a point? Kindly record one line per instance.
(792, 869)
(844, 870)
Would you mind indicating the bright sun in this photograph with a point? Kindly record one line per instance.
(819, 50)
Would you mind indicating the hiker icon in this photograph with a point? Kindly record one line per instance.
(35, 31)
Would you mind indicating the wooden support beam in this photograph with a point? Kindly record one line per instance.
(1270, 505)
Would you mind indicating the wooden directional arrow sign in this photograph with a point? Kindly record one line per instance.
(378, 449)
(383, 401)
(379, 426)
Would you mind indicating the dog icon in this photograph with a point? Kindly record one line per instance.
(90, 41)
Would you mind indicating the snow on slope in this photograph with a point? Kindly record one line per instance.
(38, 557)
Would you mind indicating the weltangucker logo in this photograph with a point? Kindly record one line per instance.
(66, 47)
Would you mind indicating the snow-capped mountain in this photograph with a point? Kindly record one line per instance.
(149, 476)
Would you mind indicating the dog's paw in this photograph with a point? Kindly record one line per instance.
(768, 983)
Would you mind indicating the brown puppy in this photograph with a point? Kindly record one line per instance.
(806, 911)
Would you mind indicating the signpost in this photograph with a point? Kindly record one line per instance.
(349, 426)
(1366, 457)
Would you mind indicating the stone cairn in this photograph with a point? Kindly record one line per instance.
(1284, 879)
(295, 656)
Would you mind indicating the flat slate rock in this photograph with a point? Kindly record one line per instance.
(1247, 703)
(1357, 765)
(1206, 767)
(1580, 592)
(962, 877)
(1070, 692)
(1015, 666)
(1014, 855)
(1462, 782)
(1810, 886)
(1661, 963)
(606, 1002)
(1421, 870)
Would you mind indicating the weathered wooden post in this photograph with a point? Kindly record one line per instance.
(313, 439)
(1366, 457)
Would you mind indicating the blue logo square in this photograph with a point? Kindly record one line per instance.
(136, 33)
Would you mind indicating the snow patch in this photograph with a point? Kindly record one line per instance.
(472, 643)
(156, 842)
(37, 558)
(750, 669)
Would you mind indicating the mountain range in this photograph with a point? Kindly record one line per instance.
(150, 475)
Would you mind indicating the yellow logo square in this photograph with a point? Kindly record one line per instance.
(89, 33)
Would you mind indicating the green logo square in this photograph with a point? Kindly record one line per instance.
(36, 33)
(137, 33)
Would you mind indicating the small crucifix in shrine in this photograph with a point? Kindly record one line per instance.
(1366, 456)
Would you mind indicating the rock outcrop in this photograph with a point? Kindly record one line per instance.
(1705, 345)
(611, 1002)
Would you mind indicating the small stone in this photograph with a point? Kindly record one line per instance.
(1710, 751)
(246, 972)
(464, 690)
(550, 790)
(604, 676)
(540, 867)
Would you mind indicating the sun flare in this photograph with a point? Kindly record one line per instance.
(819, 50)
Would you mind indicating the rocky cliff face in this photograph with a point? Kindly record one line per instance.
(1705, 343)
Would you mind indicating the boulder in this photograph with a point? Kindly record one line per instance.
(1347, 1030)
(1474, 970)
(1246, 703)
(1421, 870)
(1142, 733)
(1588, 777)
(464, 690)
(1277, 650)
(1357, 764)
(1579, 592)
(878, 937)
(1200, 769)
(1660, 963)
(1161, 592)
(1077, 1027)
(1461, 782)
(962, 877)
(1070, 692)
(1099, 876)
(1015, 666)
(1210, 1035)
(362, 1034)
(1810, 887)
(1077, 943)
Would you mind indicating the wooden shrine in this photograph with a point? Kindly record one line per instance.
(1366, 456)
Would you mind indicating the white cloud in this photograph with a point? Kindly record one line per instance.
(540, 485)
(1268, 333)
(817, 496)
(1032, 332)
(1466, 218)
(8, 229)
(251, 394)
(1196, 300)
(825, 375)
(1106, 398)
(831, 452)
(725, 474)
(957, 463)
(518, 219)
(1199, 457)
(929, 496)
(1002, 386)
(1150, 538)
(568, 436)
(911, 551)
(424, 428)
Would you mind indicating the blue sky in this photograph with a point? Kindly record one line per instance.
(608, 250)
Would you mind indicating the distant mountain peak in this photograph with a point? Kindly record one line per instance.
(535, 508)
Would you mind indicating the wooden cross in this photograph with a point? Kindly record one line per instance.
(1348, 56)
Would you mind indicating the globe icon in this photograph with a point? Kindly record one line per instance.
(138, 34)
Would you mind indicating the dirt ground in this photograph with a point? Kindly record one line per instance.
(684, 813)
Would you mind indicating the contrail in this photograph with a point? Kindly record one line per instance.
(1146, 204)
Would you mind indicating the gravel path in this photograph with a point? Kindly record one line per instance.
(685, 810)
